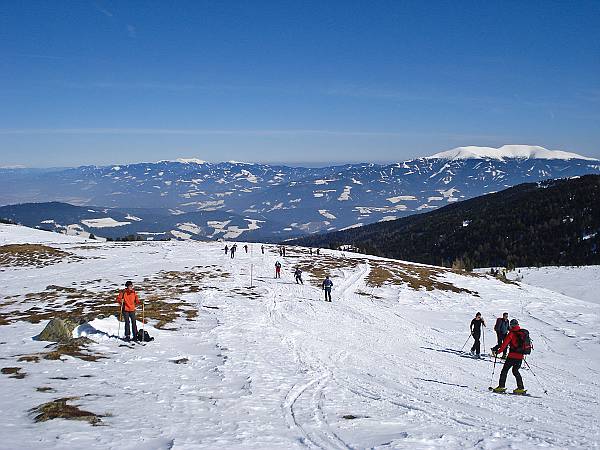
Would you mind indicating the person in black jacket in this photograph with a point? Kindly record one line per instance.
(501, 328)
(476, 325)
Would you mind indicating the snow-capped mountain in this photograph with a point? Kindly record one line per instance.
(292, 201)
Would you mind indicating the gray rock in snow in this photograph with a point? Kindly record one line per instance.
(57, 330)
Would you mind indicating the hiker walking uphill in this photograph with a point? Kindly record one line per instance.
(226, 249)
(246, 248)
(298, 276)
(501, 329)
(277, 269)
(233, 250)
(520, 345)
(128, 299)
(476, 325)
(262, 249)
(327, 285)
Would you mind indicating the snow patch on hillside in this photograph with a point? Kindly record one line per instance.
(344, 196)
(325, 213)
(105, 222)
(400, 198)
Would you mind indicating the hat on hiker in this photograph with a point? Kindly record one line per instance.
(514, 322)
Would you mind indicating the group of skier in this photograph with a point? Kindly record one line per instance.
(510, 337)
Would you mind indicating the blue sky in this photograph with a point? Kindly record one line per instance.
(99, 82)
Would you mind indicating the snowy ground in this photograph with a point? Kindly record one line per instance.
(275, 367)
(581, 282)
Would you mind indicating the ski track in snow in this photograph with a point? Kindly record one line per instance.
(276, 367)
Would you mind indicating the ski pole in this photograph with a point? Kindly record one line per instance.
(535, 376)
(483, 334)
(462, 348)
(120, 317)
(494, 369)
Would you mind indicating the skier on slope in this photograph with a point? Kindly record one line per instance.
(501, 329)
(277, 269)
(515, 339)
(476, 325)
(127, 300)
(246, 248)
(298, 276)
(226, 248)
(327, 285)
(233, 250)
(262, 249)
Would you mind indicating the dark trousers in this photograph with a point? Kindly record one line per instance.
(277, 274)
(477, 344)
(327, 294)
(500, 337)
(299, 280)
(130, 316)
(515, 365)
(232, 254)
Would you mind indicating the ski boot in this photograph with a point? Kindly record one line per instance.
(499, 390)
(520, 391)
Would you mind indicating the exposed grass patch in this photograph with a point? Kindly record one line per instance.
(76, 348)
(14, 372)
(321, 266)
(162, 294)
(413, 276)
(45, 389)
(59, 409)
(25, 255)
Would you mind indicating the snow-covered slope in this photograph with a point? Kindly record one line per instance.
(581, 282)
(273, 366)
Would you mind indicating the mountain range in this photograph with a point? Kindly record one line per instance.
(554, 222)
(194, 199)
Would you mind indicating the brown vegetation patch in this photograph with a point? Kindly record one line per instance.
(321, 266)
(14, 372)
(45, 389)
(37, 255)
(76, 348)
(161, 294)
(415, 277)
(59, 409)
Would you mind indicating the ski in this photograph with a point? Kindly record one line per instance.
(491, 389)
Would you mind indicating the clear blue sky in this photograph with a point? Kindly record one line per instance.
(293, 81)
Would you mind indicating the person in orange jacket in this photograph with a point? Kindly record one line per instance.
(514, 359)
(128, 300)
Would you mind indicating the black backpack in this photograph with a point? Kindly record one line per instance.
(524, 344)
(143, 336)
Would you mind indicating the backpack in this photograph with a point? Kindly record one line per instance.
(524, 344)
(143, 336)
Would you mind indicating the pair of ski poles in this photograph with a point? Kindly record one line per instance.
(528, 366)
(471, 334)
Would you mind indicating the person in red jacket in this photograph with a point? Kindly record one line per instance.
(513, 361)
(128, 299)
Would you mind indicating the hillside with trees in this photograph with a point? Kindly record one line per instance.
(555, 222)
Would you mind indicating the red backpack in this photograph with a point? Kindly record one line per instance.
(524, 344)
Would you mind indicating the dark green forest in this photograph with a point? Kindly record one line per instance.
(555, 222)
